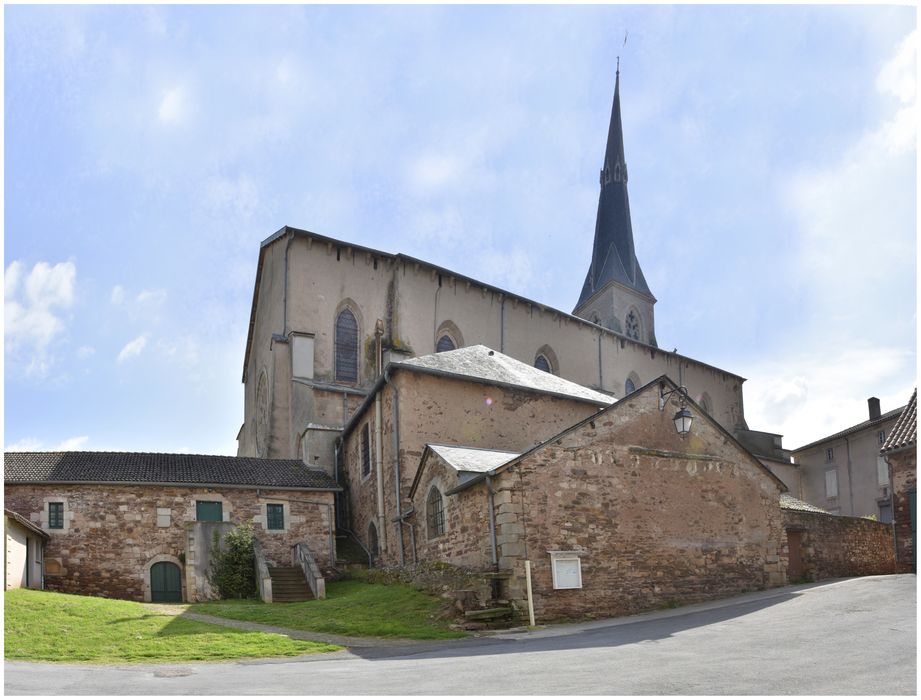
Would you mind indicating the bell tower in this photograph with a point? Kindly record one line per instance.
(615, 294)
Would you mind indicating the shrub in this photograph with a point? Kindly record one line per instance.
(233, 563)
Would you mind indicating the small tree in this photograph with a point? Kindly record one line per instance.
(233, 563)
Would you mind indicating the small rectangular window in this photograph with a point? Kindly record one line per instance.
(56, 516)
(366, 450)
(831, 483)
(209, 511)
(830, 454)
(275, 516)
(163, 517)
(882, 437)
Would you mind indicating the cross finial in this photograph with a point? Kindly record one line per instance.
(618, 64)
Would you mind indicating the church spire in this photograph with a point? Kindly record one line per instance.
(613, 256)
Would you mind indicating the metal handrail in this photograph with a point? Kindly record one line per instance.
(360, 544)
(304, 557)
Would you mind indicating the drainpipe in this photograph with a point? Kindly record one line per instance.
(435, 318)
(336, 448)
(492, 523)
(600, 372)
(284, 296)
(395, 432)
(502, 325)
(850, 484)
(895, 539)
(378, 447)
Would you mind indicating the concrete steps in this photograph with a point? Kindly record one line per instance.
(289, 585)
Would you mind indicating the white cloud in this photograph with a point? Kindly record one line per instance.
(173, 106)
(237, 197)
(85, 352)
(152, 297)
(118, 295)
(32, 307)
(31, 444)
(132, 348)
(184, 351)
(806, 396)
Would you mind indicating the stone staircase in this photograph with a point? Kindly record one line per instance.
(349, 553)
(289, 585)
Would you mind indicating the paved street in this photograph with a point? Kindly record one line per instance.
(854, 636)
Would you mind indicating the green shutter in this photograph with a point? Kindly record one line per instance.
(275, 516)
(209, 511)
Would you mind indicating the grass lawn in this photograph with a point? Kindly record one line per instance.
(43, 626)
(353, 608)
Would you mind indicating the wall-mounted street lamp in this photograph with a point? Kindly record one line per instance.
(683, 417)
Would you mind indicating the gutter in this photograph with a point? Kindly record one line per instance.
(395, 432)
(175, 484)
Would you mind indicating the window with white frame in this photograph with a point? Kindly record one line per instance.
(566, 568)
(831, 483)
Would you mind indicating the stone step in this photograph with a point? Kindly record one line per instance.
(488, 614)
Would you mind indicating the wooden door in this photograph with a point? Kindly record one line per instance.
(165, 583)
(795, 563)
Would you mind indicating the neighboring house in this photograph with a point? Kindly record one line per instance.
(901, 454)
(327, 315)
(140, 526)
(844, 473)
(471, 396)
(23, 566)
(616, 513)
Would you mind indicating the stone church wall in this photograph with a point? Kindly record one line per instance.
(835, 546)
(687, 521)
(447, 411)
(112, 533)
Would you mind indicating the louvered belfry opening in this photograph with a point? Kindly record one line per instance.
(346, 347)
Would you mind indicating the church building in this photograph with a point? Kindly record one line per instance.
(328, 315)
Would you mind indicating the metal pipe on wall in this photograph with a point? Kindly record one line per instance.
(395, 433)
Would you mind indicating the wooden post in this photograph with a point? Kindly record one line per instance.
(527, 580)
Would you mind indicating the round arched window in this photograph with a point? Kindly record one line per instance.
(435, 513)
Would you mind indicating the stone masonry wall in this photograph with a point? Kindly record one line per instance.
(834, 546)
(450, 412)
(686, 521)
(903, 469)
(465, 541)
(112, 534)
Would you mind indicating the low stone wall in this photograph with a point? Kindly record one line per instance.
(464, 589)
(834, 546)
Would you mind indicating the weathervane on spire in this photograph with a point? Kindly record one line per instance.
(618, 58)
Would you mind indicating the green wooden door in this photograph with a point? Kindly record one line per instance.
(209, 511)
(165, 583)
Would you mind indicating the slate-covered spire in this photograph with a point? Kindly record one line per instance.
(613, 257)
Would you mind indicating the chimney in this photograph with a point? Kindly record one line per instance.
(873, 403)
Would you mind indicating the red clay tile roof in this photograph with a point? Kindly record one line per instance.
(905, 431)
(160, 468)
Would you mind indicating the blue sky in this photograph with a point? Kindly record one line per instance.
(148, 151)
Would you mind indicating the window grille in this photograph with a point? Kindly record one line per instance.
(56, 516)
(275, 516)
(435, 510)
(346, 347)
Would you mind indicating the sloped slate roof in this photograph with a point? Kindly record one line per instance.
(159, 468)
(472, 459)
(479, 362)
(787, 502)
(853, 429)
(905, 431)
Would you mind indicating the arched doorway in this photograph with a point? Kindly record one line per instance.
(165, 583)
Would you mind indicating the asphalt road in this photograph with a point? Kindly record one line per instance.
(847, 637)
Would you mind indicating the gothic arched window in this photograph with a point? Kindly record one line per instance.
(445, 343)
(435, 513)
(542, 363)
(629, 387)
(632, 326)
(346, 347)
